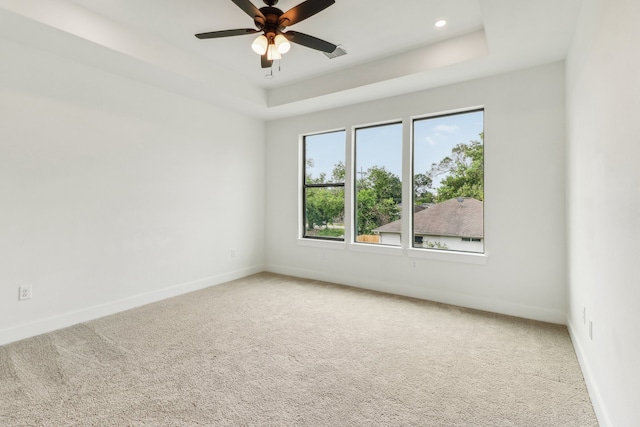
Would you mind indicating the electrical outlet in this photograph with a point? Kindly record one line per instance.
(413, 265)
(324, 256)
(26, 292)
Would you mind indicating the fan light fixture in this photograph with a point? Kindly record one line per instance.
(260, 44)
(270, 23)
(273, 53)
(282, 44)
(274, 49)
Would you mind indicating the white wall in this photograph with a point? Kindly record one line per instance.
(451, 243)
(603, 205)
(114, 193)
(455, 243)
(524, 210)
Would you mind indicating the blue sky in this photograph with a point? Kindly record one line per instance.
(379, 146)
(326, 150)
(435, 137)
(382, 145)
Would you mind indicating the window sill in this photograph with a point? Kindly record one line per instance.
(451, 256)
(355, 247)
(321, 243)
(376, 249)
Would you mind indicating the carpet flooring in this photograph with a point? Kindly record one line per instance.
(271, 350)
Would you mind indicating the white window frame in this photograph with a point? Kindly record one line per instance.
(438, 254)
(362, 246)
(407, 249)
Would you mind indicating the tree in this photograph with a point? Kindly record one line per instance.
(338, 173)
(463, 170)
(385, 184)
(378, 194)
(324, 204)
(422, 185)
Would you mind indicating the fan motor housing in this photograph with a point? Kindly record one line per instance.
(272, 15)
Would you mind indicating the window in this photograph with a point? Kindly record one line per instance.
(323, 185)
(448, 182)
(378, 185)
(443, 199)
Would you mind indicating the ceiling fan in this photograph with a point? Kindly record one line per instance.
(271, 22)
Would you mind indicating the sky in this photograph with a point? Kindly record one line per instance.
(326, 150)
(434, 138)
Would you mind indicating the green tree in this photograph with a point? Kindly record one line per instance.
(385, 184)
(422, 185)
(324, 204)
(463, 171)
(339, 172)
(379, 193)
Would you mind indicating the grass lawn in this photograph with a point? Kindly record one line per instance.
(330, 232)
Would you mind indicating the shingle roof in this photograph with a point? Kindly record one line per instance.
(451, 218)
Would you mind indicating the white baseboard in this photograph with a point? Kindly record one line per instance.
(64, 320)
(592, 387)
(397, 288)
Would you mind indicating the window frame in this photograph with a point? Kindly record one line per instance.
(304, 186)
(406, 250)
(354, 179)
(412, 233)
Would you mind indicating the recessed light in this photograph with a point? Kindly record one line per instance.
(440, 23)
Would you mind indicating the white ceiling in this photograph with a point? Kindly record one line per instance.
(393, 47)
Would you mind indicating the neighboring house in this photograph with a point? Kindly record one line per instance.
(456, 224)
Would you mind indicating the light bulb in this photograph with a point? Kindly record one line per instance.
(282, 44)
(272, 53)
(260, 44)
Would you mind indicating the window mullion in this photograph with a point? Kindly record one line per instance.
(406, 238)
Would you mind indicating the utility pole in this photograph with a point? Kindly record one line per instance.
(361, 173)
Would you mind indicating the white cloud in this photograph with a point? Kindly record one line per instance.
(447, 128)
(431, 141)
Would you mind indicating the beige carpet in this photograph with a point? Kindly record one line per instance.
(271, 350)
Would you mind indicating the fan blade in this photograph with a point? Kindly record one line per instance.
(226, 33)
(303, 11)
(264, 62)
(250, 9)
(310, 41)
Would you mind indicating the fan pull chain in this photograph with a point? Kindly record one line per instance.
(270, 75)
